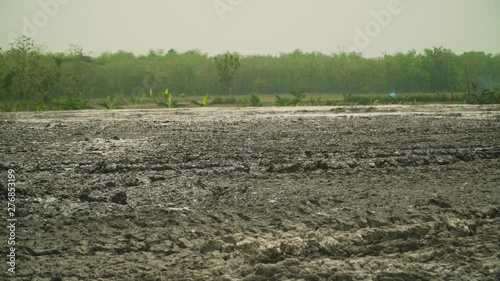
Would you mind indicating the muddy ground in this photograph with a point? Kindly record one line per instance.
(360, 193)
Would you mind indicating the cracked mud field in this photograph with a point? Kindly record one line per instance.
(361, 193)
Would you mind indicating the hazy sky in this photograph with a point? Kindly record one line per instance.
(255, 26)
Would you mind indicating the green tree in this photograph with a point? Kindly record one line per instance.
(33, 73)
(444, 69)
(227, 66)
(403, 73)
(76, 72)
(4, 83)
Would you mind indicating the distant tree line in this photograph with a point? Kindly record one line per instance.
(27, 72)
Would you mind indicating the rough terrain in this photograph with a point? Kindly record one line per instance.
(354, 193)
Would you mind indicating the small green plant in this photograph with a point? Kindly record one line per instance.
(110, 104)
(374, 101)
(298, 96)
(205, 102)
(485, 96)
(255, 100)
(167, 100)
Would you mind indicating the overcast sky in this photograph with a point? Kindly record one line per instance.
(372, 27)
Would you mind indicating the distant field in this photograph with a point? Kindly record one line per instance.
(309, 99)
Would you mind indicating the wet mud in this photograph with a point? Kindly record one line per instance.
(355, 193)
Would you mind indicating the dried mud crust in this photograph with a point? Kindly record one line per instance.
(270, 194)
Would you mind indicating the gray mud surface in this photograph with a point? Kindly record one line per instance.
(369, 193)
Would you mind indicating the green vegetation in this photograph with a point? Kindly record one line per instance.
(110, 104)
(296, 100)
(298, 96)
(347, 97)
(255, 100)
(280, 101)
(224, 101)
(482, 97)
(33, 79)
(205, 102)
(166, 99)
(227, 66)
(72, 104)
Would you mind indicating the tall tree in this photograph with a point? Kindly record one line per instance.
(77, 72)
(227, 65)
(444, 69)
(33, 73)
(4, 83)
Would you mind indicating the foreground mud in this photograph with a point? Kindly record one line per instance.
(386, 193)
